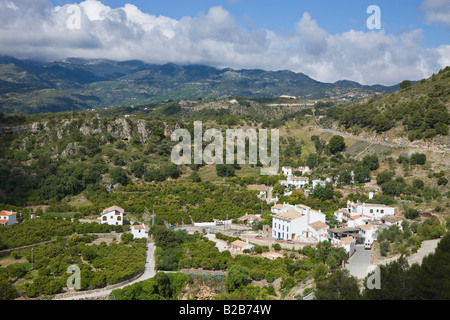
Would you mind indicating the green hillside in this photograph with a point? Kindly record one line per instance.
(71, 84)
(418, 111)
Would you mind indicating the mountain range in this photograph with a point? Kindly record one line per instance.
(28, 86)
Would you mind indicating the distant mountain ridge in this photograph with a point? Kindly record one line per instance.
(75, 83)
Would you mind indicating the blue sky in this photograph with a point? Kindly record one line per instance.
(332, 15)
(326, 39)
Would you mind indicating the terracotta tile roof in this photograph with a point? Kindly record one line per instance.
(138, 227)
(239, 243)
(318, 225)
(346, 240)
(278, 206)
(7, 213)
(250, 216)
(288, 215)
(112, 209)
(258, 187)
(365, 227)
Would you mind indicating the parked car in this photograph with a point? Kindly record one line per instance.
(367, 246)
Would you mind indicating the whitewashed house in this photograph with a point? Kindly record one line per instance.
(295, 182)
(319, 230)
(239, 246)
(261, 188)
(139, 231)
(318, 182)
(304, 170)
(112, 216)
(287, 171)
(368, 231)
(348, 243)
(349, 220)
(292, 222)
(392, 220)
(8, 218)
(250, 218)
(373, 210)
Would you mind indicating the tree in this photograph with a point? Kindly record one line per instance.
(194, 177)
(336, 144)
(237, 277)
(137, 168)
(418, 158)
(371, 162)
(338, 286)
(442, 181)
(319, 272)
(361, 174)
(384, 176)
(417, 183)
(278, 189)
(225, 170)
(405, 84)
(119, 175)
(7, 290)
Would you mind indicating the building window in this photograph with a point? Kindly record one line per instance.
(382, 210)
(371, 210)
(104, 218)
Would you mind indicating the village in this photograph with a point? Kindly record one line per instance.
(293, 226)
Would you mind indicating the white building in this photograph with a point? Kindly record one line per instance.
(292, 222)
(304, 170)
(259, 187)
(295, 182)
(287, 171)
(392, 220)
(319, 230)
(7, 218)
(375, 211)
(239, 246)
(368, 231)
(112, 216)
(348, 243)
(318, 182)
(138, 232)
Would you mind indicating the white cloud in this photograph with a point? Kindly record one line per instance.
(36, 29)
(437, 11)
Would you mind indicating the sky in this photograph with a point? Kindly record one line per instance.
(328, 40)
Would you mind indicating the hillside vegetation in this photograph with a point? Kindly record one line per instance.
(71, 84)
(418, 111)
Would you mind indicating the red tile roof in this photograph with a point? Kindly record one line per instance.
(7, 213)
(112, 209)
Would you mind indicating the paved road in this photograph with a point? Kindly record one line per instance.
(383, 143)
(359, 262)
(149, 272)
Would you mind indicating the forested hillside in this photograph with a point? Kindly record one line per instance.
(72, 84)
(418, 111)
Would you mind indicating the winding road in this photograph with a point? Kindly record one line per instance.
(149, 272)
(384, 143)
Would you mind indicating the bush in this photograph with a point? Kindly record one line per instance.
(411, 214)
